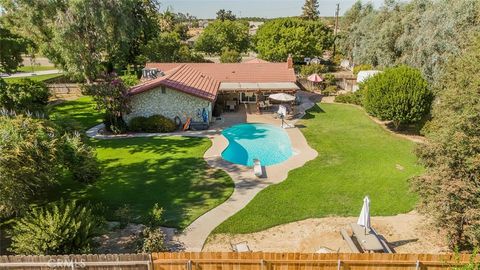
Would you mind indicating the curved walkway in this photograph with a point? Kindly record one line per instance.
(247, 185)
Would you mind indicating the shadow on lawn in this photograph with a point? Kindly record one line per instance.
(310, 113)
(184, 187)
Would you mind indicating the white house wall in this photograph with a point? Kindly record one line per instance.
(170, 104)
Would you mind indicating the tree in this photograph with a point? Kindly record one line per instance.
(302, 38)
(168, 47)
(13, 46)
(56, 229)
(111, 31)
(310, 10)
(112, 97)
(449, 190)
(229, 56)
(218, 36)
(224, 15)
(35, 152)
(421, 33)
(398, 94)
(24, 96)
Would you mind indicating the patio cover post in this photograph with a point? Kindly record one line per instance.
(258, 103)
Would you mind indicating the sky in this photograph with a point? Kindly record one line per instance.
(206, 9)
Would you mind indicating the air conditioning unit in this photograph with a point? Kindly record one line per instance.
(151, 73)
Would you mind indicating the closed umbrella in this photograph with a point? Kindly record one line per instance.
(364, 218)
(282, 97)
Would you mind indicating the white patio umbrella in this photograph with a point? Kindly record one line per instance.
(364, 218)
(282, 97)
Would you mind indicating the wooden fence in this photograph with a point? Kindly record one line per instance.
(234, 261)
(302, 261)
(90, 262)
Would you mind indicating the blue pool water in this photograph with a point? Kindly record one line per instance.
(266, 142)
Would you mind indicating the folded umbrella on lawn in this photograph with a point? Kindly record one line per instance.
(364, 218)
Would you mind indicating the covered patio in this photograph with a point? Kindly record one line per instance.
(231, 96)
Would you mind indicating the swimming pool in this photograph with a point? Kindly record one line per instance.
(268, 143)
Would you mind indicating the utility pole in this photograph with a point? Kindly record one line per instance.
(335, 32)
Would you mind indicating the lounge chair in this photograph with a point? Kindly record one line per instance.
(240, 247)
(349, 241)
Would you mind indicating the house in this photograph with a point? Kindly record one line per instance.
(186, 90)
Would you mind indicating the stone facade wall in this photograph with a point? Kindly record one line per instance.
(170, 104)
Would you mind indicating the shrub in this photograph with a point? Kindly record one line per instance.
(124, 215)
(308, 70)
(159, 123)
(330, 90)
(153, 240)
(80, 159)
(230, 56)
(130, 80)
(155, 216)
(400, 95)
(137, 124)
(329, 79)
(358, 68)
(350, 98)
(59, 228)
(24, 95)
(34, 154)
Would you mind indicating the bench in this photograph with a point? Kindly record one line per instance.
(349, 241)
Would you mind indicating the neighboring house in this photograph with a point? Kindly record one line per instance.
(185, 90)
(253, 27)
(363, 76)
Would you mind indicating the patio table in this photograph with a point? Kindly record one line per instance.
(369, 241)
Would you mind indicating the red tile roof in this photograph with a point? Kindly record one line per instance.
(238, 72)
(255, 61)
(203, 79)
(183, 78)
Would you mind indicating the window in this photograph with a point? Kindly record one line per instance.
(163, 90)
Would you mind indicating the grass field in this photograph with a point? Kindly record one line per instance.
(35, 68)
(140, 172)
(356, 157)
(35, 78)
(81, 110)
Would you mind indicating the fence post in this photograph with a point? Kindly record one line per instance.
(189, 265)
(417, 265)
(339, 264)
(262, 264)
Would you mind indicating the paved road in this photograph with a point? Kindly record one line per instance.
(30, 74)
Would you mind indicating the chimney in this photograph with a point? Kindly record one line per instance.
(290, 61)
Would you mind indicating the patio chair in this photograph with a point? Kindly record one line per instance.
(240, 247)
(257, 168)
(267, 103)
(262, 105)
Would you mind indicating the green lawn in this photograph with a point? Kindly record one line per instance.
(140, 172)
(81, 110)
(35, 78)
(35, 68)
(357, 157)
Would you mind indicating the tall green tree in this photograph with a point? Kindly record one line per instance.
(310, 10)
(12, 47)
(225, 15)
(278, 38)
(449, 190)
(111, 31)
(218, 36)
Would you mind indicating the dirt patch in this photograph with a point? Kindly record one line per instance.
(127, 239)
(406, 233)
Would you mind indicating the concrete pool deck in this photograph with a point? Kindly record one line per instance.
(247, 185)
